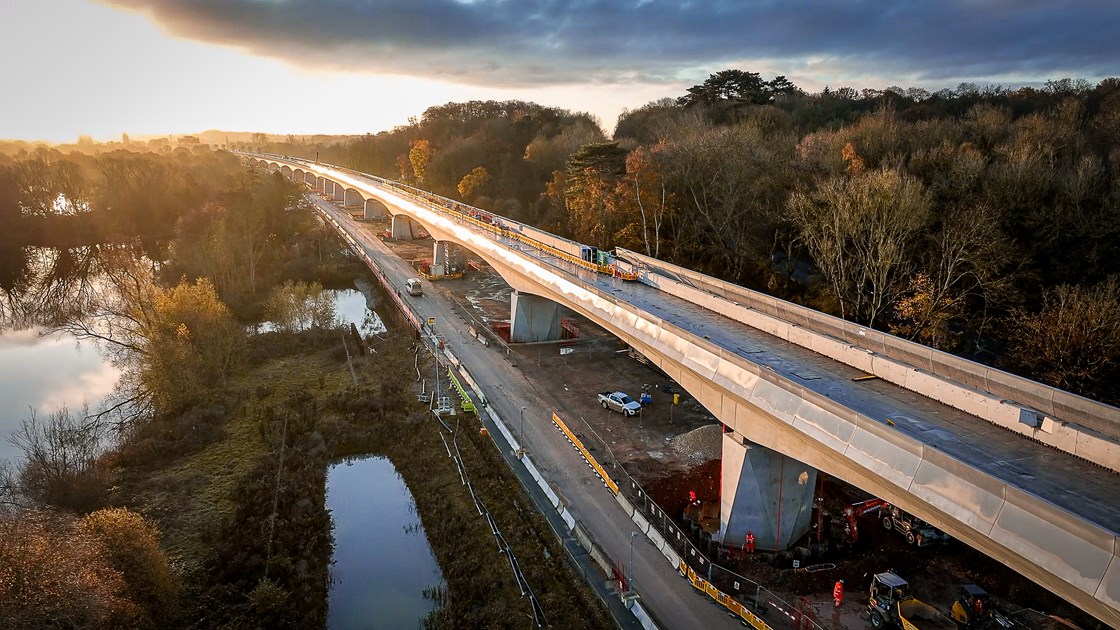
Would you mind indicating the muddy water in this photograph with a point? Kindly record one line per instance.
(382, 560)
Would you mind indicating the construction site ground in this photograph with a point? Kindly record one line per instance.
(672, 450)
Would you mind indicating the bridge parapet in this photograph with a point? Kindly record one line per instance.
(1057, 418)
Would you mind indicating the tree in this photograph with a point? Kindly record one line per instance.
(647, 189)
(731, 183)
(860, 231)
(591, 176)
(173, 344)
(419, 155)
(191, 343)
(1073, 341)
(474, 183)
(54, 573)
(60, 466)
(296, 306)
(132, 548)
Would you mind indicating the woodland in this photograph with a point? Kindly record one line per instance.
(982, 221)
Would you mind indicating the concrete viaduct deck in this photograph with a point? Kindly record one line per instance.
(1025, 473)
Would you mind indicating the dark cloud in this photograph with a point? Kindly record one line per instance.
(538, 42)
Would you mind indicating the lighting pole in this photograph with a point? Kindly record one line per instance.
(630, 581)
(522, 426)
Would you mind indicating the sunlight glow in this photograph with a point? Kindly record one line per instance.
(75, 67)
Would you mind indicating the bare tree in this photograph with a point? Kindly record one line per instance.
(860, 231)
(1073, 342)
(60, 459)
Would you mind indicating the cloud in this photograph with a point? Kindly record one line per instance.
(546, 42)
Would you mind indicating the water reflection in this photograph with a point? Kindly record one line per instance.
(382, 560)
(44, 373)
(355, 307)
(44, 286)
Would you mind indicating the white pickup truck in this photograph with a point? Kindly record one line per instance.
(620, 402)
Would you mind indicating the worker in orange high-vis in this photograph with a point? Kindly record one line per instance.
(838, 592)
(750, 541)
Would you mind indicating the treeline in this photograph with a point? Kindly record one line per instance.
(983, 221)
(190, 213)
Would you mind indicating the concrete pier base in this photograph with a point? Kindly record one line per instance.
(764, 492)
(404, 228)
(533, 318)
(448, 258)
(374, 210)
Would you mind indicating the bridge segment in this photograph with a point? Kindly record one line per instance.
(1050, 515)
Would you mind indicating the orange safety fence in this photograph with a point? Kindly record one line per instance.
(611, 485)
(721, 598)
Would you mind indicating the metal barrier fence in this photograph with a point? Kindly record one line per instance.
(752, 595)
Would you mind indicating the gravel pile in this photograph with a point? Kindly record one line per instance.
(699, 445)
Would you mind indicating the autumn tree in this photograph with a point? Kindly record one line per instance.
(1073, 341)
(55, 573)
(645, 189)
(191, 343)
(474, 183)
(174, 344)
(419, 155)
(861, 232)
(132, 548)
(591, 176)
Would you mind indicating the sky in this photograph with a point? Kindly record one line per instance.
(150, 67)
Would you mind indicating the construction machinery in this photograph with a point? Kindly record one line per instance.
(856, 510)
(916, 531)
(891, 604)
(973, 609)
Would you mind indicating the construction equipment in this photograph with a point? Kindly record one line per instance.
(916, 531)
(856, 510)
(891, 604)
(973, 609)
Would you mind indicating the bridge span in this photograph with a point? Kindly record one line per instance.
(1023, 472)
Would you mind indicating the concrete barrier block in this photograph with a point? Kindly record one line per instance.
(626, 505)
(643, 617)
(1100, 449)
(641, 522)
(569, 520)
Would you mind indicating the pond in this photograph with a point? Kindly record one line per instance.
(353, 306)
(382, 560)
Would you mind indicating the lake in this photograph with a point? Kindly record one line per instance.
(45, 372)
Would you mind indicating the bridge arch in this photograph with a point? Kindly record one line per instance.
(352, 198)
(375, 209)
(286, 171)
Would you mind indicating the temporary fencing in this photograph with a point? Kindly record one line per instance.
(503, 546)
(750, 601)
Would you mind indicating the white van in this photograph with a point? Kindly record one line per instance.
(413, 286)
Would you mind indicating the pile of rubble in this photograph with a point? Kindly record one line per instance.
(699, 445)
